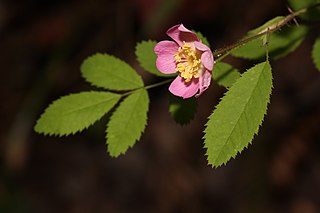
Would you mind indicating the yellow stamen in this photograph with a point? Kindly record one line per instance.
(188, 62)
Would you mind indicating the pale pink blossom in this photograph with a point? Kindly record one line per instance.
(187, 56)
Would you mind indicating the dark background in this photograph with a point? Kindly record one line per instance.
(42, 45)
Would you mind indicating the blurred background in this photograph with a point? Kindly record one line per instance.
(42, 45)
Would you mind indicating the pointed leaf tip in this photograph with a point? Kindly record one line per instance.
(127, 123)
(75, 112)
(236, 119)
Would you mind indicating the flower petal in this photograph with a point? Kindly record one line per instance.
(204, 82)
(179, 34)
(206, 57)
(165, 60)
(207, 60)
(185, 90)
(200, 46)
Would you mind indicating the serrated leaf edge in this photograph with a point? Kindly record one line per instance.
(214, 165)
(140, 133)
(72, 132)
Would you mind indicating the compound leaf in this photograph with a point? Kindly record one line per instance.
(127, 123)
(75, 112)
(236, 119)
(109, 72)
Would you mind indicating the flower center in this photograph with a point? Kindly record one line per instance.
(188, 62)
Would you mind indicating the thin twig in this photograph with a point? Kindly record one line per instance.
(223, 52)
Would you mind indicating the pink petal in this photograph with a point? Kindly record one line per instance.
(206, 57)
(185, 90)
(200, 46)
(179, 34)
(165, 60)
(207, 60)
(204, 82)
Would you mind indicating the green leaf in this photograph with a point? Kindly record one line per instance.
(75, 112)
(182, 110)
(147, 58)
(237, 118)
(224, 74)
(312, 14)
(127, 123)
(269, 24)
(316, 53)
(109, 72)
(280, 44)
(202, 38)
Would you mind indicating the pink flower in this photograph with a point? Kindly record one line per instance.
(189, 57)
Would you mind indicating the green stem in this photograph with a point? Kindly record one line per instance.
(223, 52)
(148, 87)
(157, 84)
